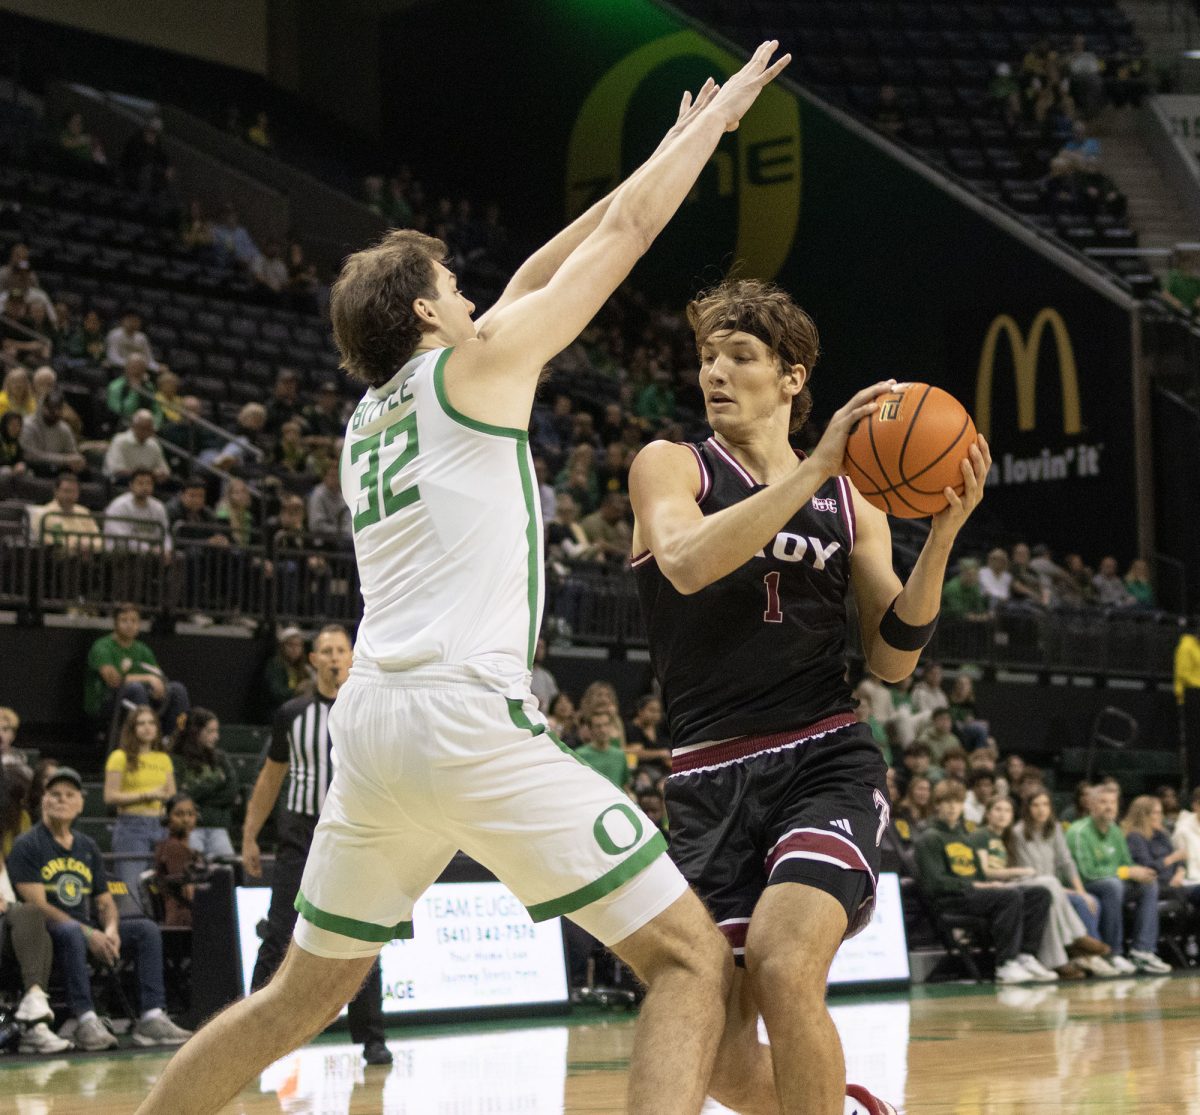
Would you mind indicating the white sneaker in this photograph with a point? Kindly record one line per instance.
(34, 1007)
(1013, 971)
(159, 1030)
(1123, 967)
(1098, 966)
(93, 1035)
(1149, 962)
(39, 1038)
(1036, 968)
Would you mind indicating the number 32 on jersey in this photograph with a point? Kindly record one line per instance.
(388, 450)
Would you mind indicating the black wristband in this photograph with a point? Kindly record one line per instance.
(904, 636)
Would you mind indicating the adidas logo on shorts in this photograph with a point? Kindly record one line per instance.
(843, 825)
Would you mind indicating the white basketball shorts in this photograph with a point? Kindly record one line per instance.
(430, 761)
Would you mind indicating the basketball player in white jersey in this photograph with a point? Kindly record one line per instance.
(439, 745)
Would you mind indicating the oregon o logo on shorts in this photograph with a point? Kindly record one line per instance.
(617, 829)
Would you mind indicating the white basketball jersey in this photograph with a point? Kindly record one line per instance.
(447, 531)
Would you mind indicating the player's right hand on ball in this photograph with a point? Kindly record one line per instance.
(741, 90)
(831, 449)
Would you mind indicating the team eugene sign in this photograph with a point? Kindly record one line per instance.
(761, 173)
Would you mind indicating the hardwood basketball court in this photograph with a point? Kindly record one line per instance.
(1119, 1047)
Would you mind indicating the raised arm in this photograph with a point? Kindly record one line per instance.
(543, 265)
(692, 549)
(504, 360)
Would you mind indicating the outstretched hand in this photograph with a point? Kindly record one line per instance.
(737, 95)
(690, 107)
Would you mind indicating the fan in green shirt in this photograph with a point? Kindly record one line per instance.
(962, 598)
(131, 659)
(605, 752)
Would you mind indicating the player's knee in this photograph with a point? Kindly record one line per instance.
(795, 975)
(693, 947)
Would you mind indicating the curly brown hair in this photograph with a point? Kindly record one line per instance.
(371, 303)
(768, 313)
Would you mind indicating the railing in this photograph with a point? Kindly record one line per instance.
(318, 585)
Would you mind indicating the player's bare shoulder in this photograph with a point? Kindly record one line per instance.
(664, 466)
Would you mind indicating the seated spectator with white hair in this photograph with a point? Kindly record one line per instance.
(48, 442)
(994, 578)
(127, 339)
(136, 450)
(130, 391)
(44, 382)
(138, 515)
(61, 873)
(251, 421)
(64, 521)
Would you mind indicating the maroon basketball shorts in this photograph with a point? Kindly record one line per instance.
(807, 806)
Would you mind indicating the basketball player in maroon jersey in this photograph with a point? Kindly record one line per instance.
(744, 552)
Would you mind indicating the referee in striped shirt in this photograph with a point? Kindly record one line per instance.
(300, 743)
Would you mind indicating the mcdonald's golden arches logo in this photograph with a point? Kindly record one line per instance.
(1026, 352)
(766, 174)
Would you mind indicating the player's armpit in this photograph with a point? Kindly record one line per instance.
(664, 482)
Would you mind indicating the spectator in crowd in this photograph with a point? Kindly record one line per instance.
(18, 256)
(547, 496)
(167, 399)
(289, 455)
(1138, 584)
(196, 235)
(236, 509)
(190, 436)
(323, 419)
(939, 736)
(304, 285)
(61, 872)
(12, 456)
(14, 819)
(967, 726)
(646, 737)
(948, 869)
(995, 847)
(1110, 589)
(22, 287)
(1005, 92)
(88, 341)
(1100, 852)
(11, 756)
(927, 694)
(995, 581)
(565, 538)
(120, 667)
(25, 941)
(877, 696)
(1026, 583)
(45, 383)
(145, 168)
(1181, 286)
(205, 773)
(1186, 838)
(64, 521)
(138, 779)
(177, 862)
(542, 686)
(130, 392)
(1086, 73)
(18, 393)
(914, 810)
(979, 796)
(328, 513)
(232, 244)
(126, 340)
(560, 716)
(1040, 843)
(962, 598)
(284, 404)
(1168, 796)
(603, 751)
(269, 270)
(287, 673)
(259, 133)
(250, 442)
(139, 517)
(608, 529)
(1151, 846)
(1078, 588)
(190, 517)
(136, 450)
(917, 761)
(953, 766)
(48, 443)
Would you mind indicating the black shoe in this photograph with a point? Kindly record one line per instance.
(377, 1053)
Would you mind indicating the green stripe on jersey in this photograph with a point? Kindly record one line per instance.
(439, 387)
(352, 927)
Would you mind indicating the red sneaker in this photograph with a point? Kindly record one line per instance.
(860, 1102)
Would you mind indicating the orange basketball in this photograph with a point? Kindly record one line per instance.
(910, 448)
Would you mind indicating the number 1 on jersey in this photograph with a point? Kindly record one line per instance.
(774, 613)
